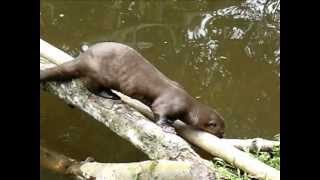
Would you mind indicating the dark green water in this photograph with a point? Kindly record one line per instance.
(226, 52)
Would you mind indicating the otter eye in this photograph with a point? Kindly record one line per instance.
(212, 124)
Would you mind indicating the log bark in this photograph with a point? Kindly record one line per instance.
(157, 169)
(121, 118)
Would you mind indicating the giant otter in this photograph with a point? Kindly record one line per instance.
(111, 65)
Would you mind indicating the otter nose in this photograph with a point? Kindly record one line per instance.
(220, 134)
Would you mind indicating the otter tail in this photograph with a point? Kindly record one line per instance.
(63, 72)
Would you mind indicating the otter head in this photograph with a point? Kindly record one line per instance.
(207, 119)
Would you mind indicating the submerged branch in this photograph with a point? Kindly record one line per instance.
(161, 169)
(255, 144)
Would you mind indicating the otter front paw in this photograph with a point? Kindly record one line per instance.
(165, 124)
(168, 129)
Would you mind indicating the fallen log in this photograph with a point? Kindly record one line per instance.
(145, 135)
(157, 169)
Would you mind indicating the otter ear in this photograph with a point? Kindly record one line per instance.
(84, 47)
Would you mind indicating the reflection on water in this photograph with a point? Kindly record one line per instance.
(233, 55)
(226, 53)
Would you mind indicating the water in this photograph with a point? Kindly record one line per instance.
(226, 53)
